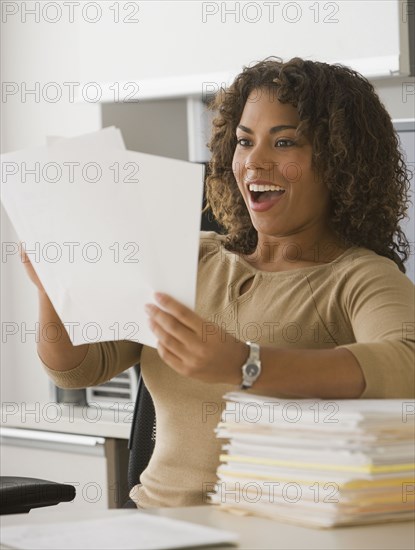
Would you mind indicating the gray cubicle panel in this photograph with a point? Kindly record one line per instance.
(406, 131)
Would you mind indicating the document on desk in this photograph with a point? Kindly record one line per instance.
(134, 531)
(105, 228)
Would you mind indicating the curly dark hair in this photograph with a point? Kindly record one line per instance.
(355, 152)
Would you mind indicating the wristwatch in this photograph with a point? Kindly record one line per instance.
(251, 369)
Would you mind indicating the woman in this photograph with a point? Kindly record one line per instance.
(309, 184)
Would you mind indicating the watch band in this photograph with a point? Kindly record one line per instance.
(251, 369)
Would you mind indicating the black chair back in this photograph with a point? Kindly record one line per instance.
(143, 432)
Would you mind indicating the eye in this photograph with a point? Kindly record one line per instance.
(243, 142)
(284, 143)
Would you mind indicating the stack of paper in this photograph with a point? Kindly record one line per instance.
(315, 462)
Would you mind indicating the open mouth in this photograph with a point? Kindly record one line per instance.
(265, 193)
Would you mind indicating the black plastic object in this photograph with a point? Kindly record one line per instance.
(19, 495)
(143, 432)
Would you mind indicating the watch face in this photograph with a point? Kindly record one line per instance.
(251, 369)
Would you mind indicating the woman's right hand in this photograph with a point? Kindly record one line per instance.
(29, 269)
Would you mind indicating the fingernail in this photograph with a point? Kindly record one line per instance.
(148, 309)
(159, 297)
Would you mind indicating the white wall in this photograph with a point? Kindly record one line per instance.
(184, 39)
(32, 52)
(398, 95)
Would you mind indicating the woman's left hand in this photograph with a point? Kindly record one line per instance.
(195, 347)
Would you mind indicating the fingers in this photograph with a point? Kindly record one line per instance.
(177, 345)
(183, 346)
(180, 312)
(170, 331)
(168, 357)
(177, 329)
(23, 256)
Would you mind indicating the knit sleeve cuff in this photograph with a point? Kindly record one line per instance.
(387, 370)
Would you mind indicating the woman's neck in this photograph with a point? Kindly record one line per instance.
(292, 252)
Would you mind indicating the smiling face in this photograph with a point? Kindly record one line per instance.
(273, 169)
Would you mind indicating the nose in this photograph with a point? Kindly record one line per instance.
(258, 161)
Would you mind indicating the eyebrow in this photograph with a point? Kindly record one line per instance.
(272, 130)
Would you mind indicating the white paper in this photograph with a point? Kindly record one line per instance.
(106, 138)
(135, 531)
(103, 248)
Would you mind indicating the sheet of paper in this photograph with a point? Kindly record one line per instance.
(104, 229)
(106, 138)
(134, 531)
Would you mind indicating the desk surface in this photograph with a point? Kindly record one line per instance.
(254, 532)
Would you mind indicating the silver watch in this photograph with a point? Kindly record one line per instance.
(251, 369)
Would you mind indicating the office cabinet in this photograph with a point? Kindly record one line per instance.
(96, 466)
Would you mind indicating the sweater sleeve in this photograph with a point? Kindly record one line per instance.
(103, 361)
(379, 301)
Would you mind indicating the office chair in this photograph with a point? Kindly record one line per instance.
(143, 432)
(142, 435)
(21, 494)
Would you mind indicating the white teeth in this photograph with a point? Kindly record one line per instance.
(261, 188)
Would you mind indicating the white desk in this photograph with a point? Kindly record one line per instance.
(254, 532)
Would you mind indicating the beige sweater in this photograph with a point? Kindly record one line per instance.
(360, 301)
